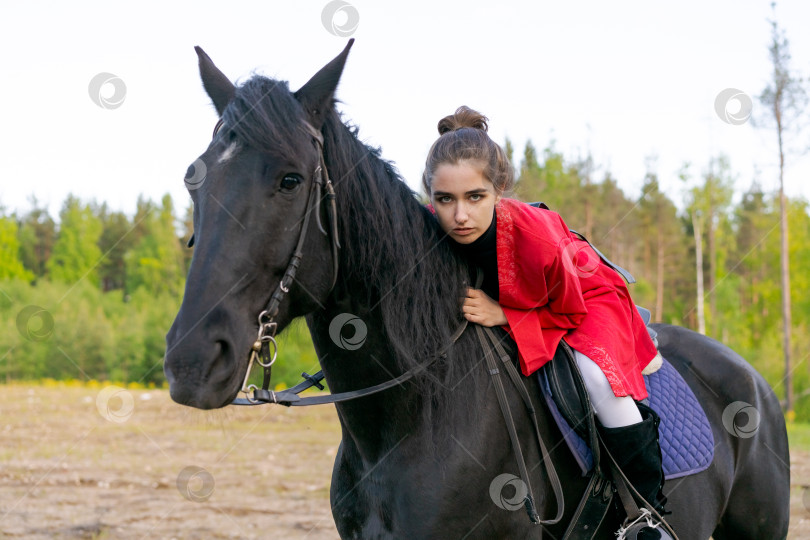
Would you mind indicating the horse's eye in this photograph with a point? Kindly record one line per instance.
(290, 182)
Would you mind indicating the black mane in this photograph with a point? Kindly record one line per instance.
(393, 246)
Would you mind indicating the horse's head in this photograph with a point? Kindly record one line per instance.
(254, 189)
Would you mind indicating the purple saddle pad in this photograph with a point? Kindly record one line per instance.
(687, 443)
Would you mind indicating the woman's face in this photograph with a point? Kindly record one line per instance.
(464, 201)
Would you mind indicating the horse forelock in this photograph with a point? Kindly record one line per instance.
(266, 116)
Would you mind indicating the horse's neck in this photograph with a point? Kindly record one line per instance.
(473, 437)
(377, 422)
(359, 362)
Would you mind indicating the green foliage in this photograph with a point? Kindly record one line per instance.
(115, 286)
(37, 235)
(117, 238)
(76, 252)
(296, 355)
(799, 249)
(156, 262)
(94, 335)
(509, 149)
(799, 436)
(10, 265)
(553, 181)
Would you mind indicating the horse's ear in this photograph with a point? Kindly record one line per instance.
(219, 88)
(316, 95)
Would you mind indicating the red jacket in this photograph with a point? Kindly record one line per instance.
(553, 286)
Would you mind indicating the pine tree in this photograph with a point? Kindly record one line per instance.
(37, 234)
(76, 254)
(785, 99)
(117, 238)
(155, 263)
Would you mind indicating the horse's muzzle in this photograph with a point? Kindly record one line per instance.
(203, 378)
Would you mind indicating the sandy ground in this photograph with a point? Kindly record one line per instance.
(79, 463)
(107, 463)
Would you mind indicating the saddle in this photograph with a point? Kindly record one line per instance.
(562, 380)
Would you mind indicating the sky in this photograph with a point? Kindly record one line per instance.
(622, 80)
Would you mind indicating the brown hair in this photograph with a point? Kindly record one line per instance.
(463, 137)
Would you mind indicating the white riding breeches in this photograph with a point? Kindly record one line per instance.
(611, 411)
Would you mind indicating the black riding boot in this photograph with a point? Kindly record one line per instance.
(638, 454)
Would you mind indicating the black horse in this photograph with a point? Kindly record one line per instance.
(418, 460)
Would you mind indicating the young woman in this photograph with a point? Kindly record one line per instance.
(542, 284)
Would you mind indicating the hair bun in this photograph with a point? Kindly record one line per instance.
(464, 117)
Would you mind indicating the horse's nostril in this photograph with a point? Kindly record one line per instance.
(221, 366)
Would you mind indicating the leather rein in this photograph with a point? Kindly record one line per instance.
(265, 340)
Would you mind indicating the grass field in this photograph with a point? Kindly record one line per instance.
(84, 462)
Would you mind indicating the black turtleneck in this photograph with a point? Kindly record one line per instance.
(483, 253)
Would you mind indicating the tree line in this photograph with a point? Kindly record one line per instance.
(712, 266)
(92, 296)
(112, 283)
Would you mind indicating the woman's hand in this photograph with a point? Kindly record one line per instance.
(481, 309)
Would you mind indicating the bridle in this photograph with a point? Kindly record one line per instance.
(264, 350)
(260, 350)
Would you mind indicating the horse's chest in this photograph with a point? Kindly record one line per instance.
(420, 498)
